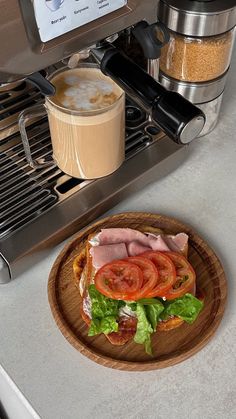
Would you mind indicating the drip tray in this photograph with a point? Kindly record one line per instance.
(39, 208)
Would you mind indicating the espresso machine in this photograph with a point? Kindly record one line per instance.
(39, 207)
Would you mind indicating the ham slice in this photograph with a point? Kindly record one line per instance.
(122, 235)
(134, 248)
(119, 243)
(150, 240)
(177, 243)
(105, 254)
(158, 243)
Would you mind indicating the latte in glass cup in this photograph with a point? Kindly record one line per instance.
(87, 122)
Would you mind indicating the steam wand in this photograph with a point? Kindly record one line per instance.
(176, 116)
(152, 39)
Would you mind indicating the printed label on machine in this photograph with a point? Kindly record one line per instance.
(56, 17)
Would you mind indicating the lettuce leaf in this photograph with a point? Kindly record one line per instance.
(106, 325)
(149, 301)
(144, 329)
(104, 313)
(149, 311)
(153, 312)
(187, 308)
(102, 306)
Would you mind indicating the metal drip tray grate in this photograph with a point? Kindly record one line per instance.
(25, 193)
(15, 100)
(12, 103)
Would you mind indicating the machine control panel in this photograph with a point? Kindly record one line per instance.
(57, 17)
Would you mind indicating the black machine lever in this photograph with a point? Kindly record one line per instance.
(176, 116)
(151, 38)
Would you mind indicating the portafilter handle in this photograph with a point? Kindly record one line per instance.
(176, 116)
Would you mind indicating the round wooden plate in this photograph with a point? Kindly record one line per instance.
(169, 347)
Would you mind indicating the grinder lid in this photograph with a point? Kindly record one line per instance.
(198, 18)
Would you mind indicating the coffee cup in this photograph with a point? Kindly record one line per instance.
(54, 5)
(86, 121)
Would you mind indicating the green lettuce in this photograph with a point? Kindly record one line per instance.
(149, 301)
(104, 313)
(149, 311)
(102, 306)
(187, 308)
(153, 312)
(106, 325)
(144, 329)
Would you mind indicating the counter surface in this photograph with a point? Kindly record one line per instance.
(61, 383)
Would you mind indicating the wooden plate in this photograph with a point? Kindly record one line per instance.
(169, 347)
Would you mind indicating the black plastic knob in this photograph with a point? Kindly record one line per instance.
(151, 38)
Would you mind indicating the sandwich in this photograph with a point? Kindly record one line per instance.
(134, 282)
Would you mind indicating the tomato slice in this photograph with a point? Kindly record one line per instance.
(166, 271)
(150, 275)
(118, 279)
(185, 277)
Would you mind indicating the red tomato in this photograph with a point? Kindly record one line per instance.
(150, 275)
(118, 279)
(166, 271)
(185, 277)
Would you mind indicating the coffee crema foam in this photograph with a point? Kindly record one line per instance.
(84, 90)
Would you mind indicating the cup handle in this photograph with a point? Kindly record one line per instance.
(25, 116)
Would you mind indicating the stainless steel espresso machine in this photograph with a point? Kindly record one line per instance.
(40, 207)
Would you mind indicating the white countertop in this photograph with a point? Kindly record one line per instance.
(61, 383)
